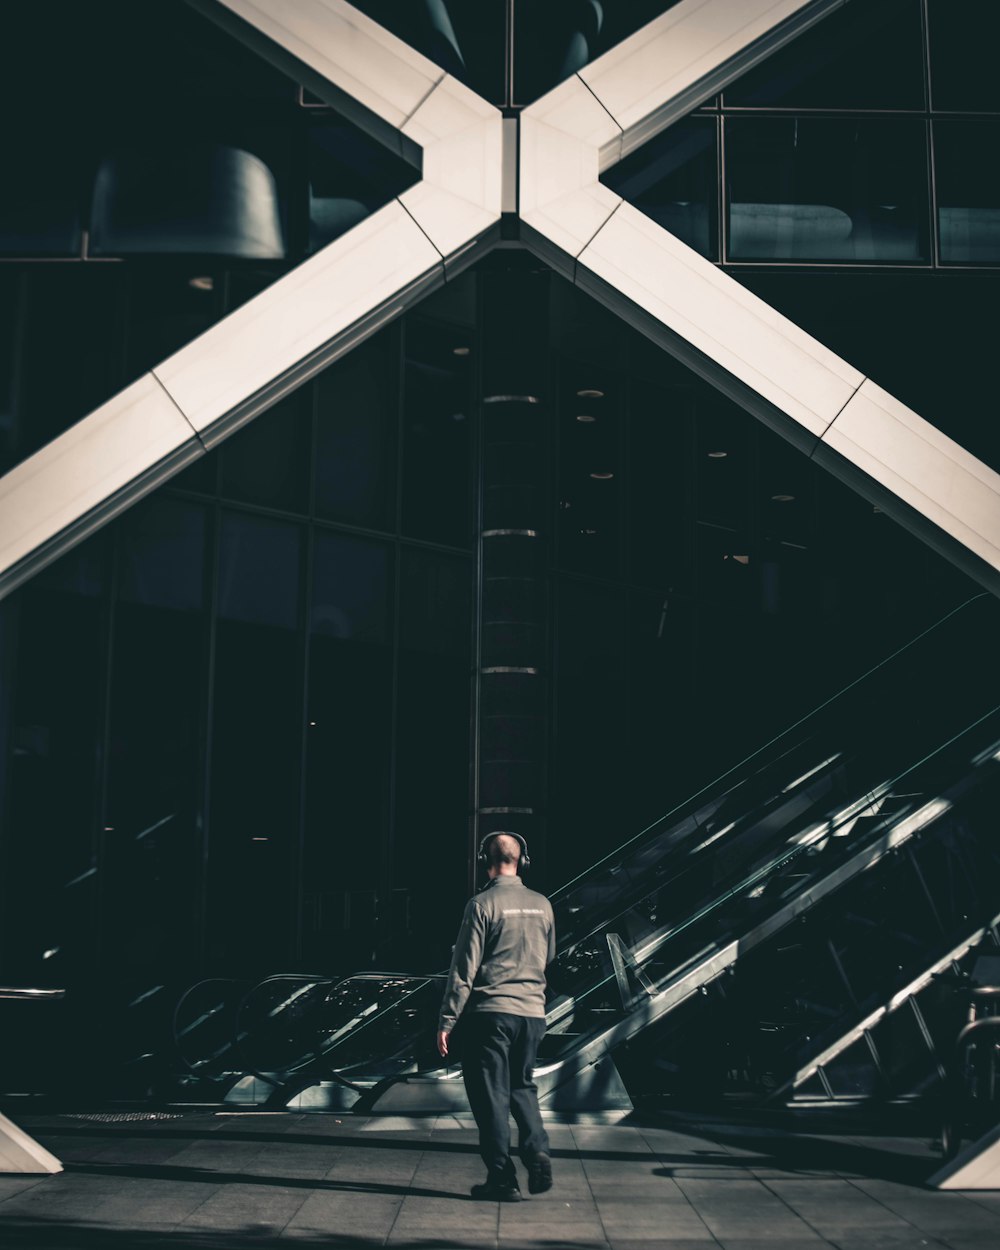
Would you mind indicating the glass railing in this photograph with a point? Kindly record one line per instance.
(632, 969)
(936, 685)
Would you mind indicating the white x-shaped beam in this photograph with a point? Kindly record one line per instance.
(475, 165)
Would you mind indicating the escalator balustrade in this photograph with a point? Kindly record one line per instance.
(750, 929)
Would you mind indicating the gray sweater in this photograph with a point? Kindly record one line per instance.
(507, 938)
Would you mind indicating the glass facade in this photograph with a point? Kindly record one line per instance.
(868, 140)
(505, 561)
(202, 167)
(242, 715)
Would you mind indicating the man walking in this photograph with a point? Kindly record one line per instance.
(497, 985)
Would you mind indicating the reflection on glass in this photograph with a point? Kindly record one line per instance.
(186, 195)
(968, 189)
(349, 719)
(862, 56)
(672, 179)
(465, 40)
(827, 189)
(963, 36)
(350, 176)
(166, 310)
(556, 38)
(591, 486)
(436, 430)
(357, 402)
(723, 463)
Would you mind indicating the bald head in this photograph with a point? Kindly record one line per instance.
(502, 855)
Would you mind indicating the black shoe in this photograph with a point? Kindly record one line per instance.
(539, 1174)
(497, 1189)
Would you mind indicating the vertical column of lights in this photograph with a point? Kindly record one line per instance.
(512, 698)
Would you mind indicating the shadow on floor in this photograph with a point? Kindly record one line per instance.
(42, 1234)
(210, 1176)
(799, 1152)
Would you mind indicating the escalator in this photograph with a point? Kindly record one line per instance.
(777, 935)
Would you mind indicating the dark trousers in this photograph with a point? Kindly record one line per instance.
(498, 1054)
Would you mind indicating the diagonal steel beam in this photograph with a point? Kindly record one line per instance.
(222, 379)
(184, 406)
(835, 414)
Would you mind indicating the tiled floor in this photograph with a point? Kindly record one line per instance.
(227, 1181)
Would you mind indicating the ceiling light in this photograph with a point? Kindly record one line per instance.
(586, 418)
(717, 455)
(203, 283)
(460, 351)
(783, 498)
(589, 393)
(602, 477)
(588, 531)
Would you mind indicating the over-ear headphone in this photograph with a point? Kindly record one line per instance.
(523, 862)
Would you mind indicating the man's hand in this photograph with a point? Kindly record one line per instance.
(442, 1040)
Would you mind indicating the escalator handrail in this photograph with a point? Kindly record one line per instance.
(679, 809)
(651, 943)
(681, 984)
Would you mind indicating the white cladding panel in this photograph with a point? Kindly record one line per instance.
(746, 337)
(923, 467)
(348, 49)
(297, 315)
(90, 462)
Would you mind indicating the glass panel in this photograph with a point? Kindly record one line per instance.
(153, 838)
(662, 751)
(591, 487)
(436, 431)
(589, 730)
(865, 56)
(357, 403)
(166, 310)
(432, 752)
(200, 151)
(723, 459)
(466, 40)
(555, 38)
(40, 207)
(268, 462)
(898, 328)
(193, 189)
(826, 189)
(673, 180)
(349, 177)
(53, 815)
(348, 782)
(660, 448)
(68, 352)
(967, 177)
(963, 36)
(256, 744)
